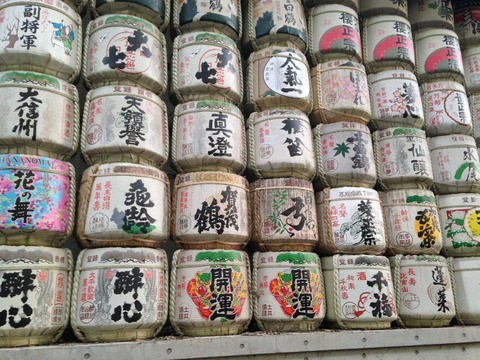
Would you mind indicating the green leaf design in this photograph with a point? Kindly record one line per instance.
(420, 199)
(205, 277)
(286, 277)
(342, 149)
(218, 256)
(298, 258)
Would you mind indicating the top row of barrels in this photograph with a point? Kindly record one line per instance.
(46, 36)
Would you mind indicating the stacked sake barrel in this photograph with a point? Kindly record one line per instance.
(351, 224)
(120, 289)
(210, 278)
(287, 275)
(459, 208)
(39, 133)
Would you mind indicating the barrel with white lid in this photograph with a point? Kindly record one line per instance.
(350, 221)
(206, 66)
(210, 292)
(275, 22)
(402, 159)
(126, 50)
(289, 291)
(425, 14)
(123, 204)
(119, 294)
(396, 100)
(387, 43)
(455, 164)
(333, 32)
(210, 210)
(280, 145)
(278, 77)
(359, 292)
(36, 288)
(124, 123)
(340, 92)
(438, 55)
(459, 217)
(42, 116)
(446, 108)
(423, 290)
(155, 11)
(412, 221)
(41, 36)
(208, 135)
(344, 155)
(284, 215)
(464, 274)
(38, 200)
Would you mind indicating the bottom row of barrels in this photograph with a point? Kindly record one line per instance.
(122, 294)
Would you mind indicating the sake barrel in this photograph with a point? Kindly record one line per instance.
(464, 275)
(208, 135)
(280, 145)
(210, 210)
(423, 290)
(333, 32)
(455, 164)
(42, 116)
(206, 66)
(340, 92)
(396, 100)
(402, 159)
(38, 200)
(223, 16)
(127, 50)
(119, 294)
(369, 8)
(124, 123)
(138, 214)
(474, 101)
(154, 11)
(278, 77)
(41, 36)
(210, 292)
(467, 24)
(284, 215)
(412, 221)
(458, 214)
(359, 292)
(387, 43)
(438, 55)
(275, 22)
(471, 64)
(36, 287)
(446, 108)
(344, 155)
(350, 221)
(354, 4)
(289, 291)
(430, 14)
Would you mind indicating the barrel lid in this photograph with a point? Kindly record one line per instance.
(285, 183)
(34, 163)
(112, 257)
(275, 114)
(444, 141)
(125, 169)
(207, 105)
(130, 21)
(326, 129)
(38, 81)
(203, 38)
(23, 257)
(395, 74)
(397, 131)
(418, 260)
(458, 200)
(465, 263)
(336, 262)
(214, 177)
(195, 258)
(407, 196)
(286, 258)
(124, 90)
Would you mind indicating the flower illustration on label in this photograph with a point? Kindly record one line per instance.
(457, 222)
(364, 226)
(287, 75)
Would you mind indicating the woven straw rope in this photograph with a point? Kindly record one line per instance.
(78, 59)
(73, 312)
(451, 270)
(252, 150)
(317, 139)
(68, 299)
(86, 80)
(397, 286)
(336, 293)
(83, 137)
